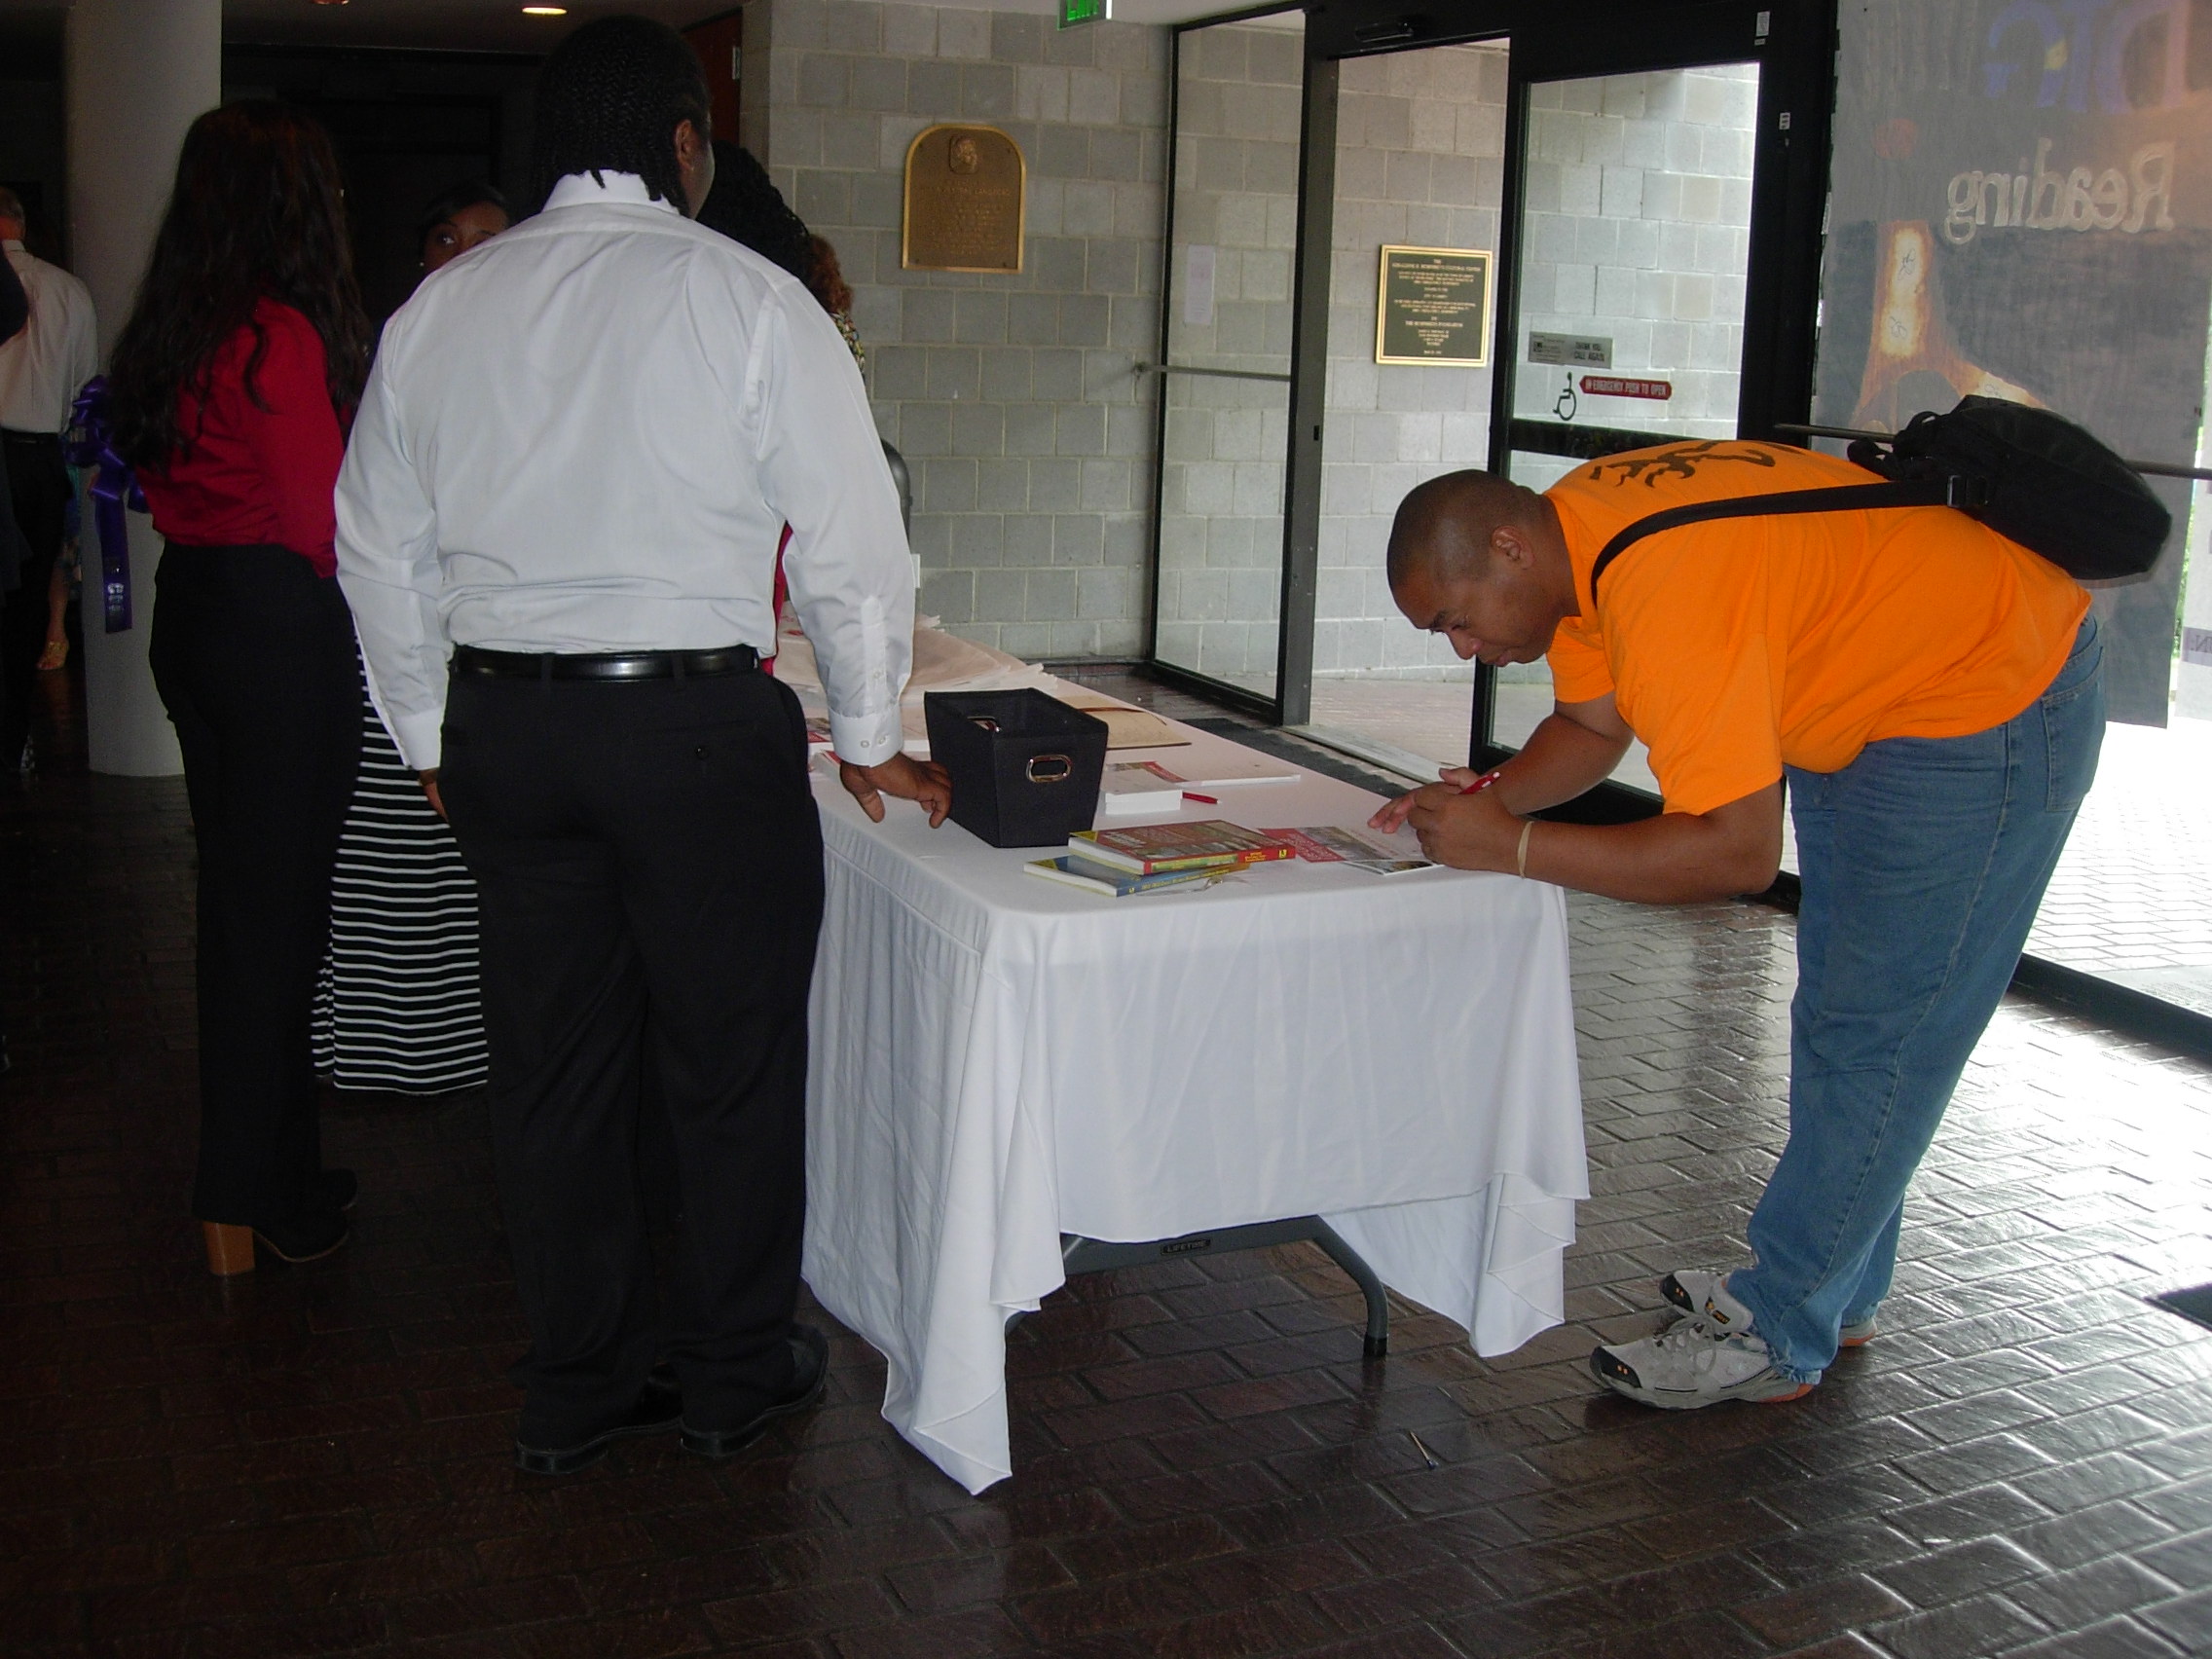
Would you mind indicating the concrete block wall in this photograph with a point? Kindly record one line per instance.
(1637, 216)
(1015, 400)
(1639, 207)
(1421, 141)
(1222, 483)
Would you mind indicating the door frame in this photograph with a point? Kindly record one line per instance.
(1238, 697)
(1797, 53)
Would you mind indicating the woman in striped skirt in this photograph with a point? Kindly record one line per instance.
(398, 1008)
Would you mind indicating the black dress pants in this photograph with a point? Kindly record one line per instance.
(649, 864)
(38, 485)
(254, 655)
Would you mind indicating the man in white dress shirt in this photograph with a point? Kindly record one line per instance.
(569, 470)
(42, 370)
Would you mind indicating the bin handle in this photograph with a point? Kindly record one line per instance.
(1059, 768)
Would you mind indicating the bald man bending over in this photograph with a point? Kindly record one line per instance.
(1932, 693)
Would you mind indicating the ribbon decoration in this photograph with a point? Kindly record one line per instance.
(115, 486)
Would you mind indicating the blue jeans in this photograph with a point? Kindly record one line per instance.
(1923, 862)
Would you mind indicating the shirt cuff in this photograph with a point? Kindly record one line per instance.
(420, 739)
(866, 740)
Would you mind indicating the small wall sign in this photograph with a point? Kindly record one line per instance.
(966, 191)
(1074, 11)
(1432, 305)
(1571, 350)
(1615, 386)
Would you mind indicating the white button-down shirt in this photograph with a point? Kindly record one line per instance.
(45, 366)
(587, 434)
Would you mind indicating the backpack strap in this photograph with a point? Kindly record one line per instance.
(1951, 491)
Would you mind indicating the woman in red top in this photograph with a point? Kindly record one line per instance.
(231, 385)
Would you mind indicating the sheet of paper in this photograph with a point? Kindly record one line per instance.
(1127, 725)
(1211, 763)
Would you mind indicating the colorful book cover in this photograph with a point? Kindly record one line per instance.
(1327, 843)
(1148, 848)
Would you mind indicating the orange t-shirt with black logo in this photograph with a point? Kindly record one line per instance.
(1736, 646)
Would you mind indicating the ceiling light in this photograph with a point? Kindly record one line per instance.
(537, 11)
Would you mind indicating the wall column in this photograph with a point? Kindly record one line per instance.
(138, 73)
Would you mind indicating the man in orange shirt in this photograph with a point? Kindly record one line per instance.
(1932, 693)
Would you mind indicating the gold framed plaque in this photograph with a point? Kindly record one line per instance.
(966, 191)
(1432, 305)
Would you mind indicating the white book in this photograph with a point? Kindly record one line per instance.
(1105, 883)
(1130, 787)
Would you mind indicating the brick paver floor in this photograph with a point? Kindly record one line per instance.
(315, 1461)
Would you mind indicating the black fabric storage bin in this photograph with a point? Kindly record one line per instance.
(1025, 767)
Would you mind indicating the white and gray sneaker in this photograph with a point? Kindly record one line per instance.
(1698, 1361)
(1691, 1288)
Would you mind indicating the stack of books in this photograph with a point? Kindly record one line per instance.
(1115, 863)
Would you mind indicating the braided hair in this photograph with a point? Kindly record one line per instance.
(747, 208)
(610, 99)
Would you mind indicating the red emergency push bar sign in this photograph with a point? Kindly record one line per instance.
(1613, 386)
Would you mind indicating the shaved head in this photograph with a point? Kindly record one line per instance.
(1444, 526)
(1482, 560)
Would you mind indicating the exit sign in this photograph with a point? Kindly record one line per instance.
(1074, 12)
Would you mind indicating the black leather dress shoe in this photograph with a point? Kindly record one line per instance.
(659, 1408)
(810, 1370)
(335, 1189)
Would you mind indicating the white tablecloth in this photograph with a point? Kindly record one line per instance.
(998, 1060)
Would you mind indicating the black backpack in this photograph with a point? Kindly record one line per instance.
(2032, 476)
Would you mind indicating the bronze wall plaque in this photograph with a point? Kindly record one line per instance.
(1432, 305)
(966, 188)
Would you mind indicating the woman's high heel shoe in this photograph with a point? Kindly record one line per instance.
(305, 1237)
(230, 1249)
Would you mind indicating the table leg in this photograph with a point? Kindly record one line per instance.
(1079, 1255)
(1378, 1341)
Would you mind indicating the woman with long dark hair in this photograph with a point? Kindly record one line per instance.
(231, 387)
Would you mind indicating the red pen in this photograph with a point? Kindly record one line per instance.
(1480, 784)
(1193, 794)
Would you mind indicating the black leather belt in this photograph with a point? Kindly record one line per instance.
(610, 665)
(16, 436)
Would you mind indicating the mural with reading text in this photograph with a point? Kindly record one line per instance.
(2021, 207)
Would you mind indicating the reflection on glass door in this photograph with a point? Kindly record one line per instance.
(1635, 241)
(1226, 369)
(1419, 163)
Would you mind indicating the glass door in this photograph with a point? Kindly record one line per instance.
(1628, 193)
(1509, 237)
(1634, 249)
(1419, 162)
(1225, 363)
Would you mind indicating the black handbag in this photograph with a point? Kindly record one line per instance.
(2034, 477)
